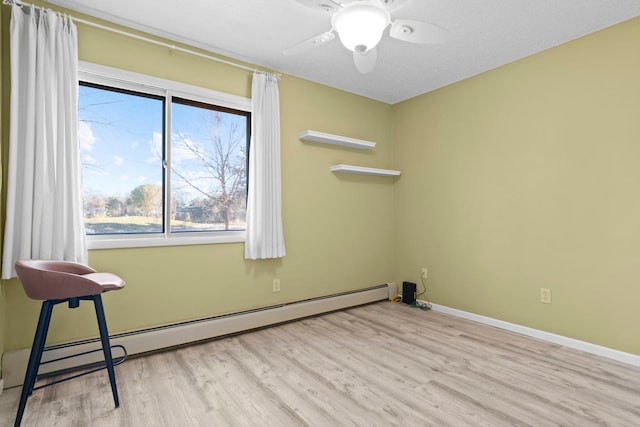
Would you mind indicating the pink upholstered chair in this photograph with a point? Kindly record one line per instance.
(56, 282)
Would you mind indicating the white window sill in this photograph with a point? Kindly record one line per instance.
(144, 241)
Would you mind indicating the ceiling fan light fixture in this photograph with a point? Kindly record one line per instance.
(360, 25)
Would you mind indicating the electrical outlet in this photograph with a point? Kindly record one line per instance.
(545, 296)
(424, 272)
(276, 285)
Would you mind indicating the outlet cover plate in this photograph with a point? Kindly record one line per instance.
(545, 296)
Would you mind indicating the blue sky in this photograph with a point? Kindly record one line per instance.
(120, 139)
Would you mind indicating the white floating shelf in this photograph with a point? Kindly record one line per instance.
(327, 138)
(364, 171)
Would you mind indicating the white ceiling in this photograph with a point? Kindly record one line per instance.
(484, 34)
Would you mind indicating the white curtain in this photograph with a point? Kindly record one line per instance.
(264, 238)
(44, 198)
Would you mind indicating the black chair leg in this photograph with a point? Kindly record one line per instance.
(34, 358)
(106, 346)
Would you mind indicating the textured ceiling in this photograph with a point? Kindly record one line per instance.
(484, 34)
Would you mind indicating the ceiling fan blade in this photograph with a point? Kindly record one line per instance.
(409, 30)
(309, 44)
(365, 61)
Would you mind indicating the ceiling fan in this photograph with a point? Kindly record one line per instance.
(360, 24)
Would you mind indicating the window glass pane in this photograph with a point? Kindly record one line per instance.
(208, 167)
(121, 148)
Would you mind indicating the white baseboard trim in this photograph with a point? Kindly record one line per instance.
(14, 363)
(620, 356)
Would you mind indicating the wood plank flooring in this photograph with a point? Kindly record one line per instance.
(382, 364)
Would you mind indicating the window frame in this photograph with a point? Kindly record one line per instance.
(127, 80)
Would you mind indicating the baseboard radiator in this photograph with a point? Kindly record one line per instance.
(14, 363)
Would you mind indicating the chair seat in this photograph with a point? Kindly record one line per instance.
(54, 280)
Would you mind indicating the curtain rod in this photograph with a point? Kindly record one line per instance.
(171, 47)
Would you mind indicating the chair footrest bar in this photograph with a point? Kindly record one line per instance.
(94, 367)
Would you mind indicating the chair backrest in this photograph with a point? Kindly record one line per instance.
(49, 280)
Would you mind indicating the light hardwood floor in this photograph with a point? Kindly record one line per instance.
(382, 364)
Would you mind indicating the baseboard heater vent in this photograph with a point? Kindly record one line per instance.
(14, 363)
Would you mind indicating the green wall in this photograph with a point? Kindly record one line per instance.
(337, 228)
(524, 177)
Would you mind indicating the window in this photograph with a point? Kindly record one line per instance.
(208, 167)
(121, 147)
(163, 163)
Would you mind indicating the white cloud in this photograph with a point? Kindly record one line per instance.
(85, 136)
(125, 177)
(89, 159)
(117, 160)
(179, 151)
(155, 147)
